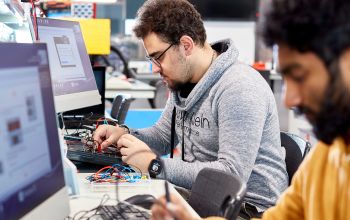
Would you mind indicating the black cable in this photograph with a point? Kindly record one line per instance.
(126, 70)
(104, 199)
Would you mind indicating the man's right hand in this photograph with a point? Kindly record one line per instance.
(107, 135)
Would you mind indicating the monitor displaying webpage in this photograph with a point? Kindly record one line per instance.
(22, 124)
(30, 159)
(70, 66)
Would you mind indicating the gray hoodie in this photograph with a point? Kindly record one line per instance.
(229, 122)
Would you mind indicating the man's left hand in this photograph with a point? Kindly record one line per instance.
(135, 152)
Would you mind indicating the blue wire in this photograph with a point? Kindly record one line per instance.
(121, 169)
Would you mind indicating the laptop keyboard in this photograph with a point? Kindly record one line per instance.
(123, 211)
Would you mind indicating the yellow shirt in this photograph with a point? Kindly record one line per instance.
(320, 188)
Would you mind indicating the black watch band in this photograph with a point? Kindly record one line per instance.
(155, 168)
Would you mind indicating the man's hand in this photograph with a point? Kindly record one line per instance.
(107, 135)
(175, 209)
(135, 152)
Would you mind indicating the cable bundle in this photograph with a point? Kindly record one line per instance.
(116, 174)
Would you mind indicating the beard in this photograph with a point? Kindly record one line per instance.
(185, 68)
(176, 86)
(333, 118)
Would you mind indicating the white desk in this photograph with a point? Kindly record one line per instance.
(90, 198)
(135, 88)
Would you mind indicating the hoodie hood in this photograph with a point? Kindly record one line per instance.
(227, 57)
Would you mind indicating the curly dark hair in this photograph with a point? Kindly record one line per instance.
(170, 20)
(318, 26)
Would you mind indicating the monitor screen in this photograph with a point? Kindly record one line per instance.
(71, 72)
(100, 77)
(238, 10)
(31, 170)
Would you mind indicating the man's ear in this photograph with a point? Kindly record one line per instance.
(188, 44)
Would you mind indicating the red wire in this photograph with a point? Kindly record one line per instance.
(34, 20)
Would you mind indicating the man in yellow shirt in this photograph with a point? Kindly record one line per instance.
(313, 38)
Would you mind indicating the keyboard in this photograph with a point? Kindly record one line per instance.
(123, 211)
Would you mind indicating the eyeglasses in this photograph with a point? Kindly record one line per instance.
(155, 60)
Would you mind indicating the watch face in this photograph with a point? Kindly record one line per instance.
(155, 167)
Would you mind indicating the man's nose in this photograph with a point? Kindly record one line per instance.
(155, 68)
(291, 94)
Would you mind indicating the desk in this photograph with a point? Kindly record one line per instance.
(136, 88)
(90, 198)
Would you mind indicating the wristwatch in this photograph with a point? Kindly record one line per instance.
(154, 168)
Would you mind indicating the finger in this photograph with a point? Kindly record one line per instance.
(158, 211)
(124, 142)
(124, 151)
(174, 199)
(178, 211)
(174, 207)
(100, 134)
(175, 211)
(131, 137)
(108, 142)
(162, 200)
(124, 159)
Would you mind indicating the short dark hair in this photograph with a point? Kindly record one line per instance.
(318, 26)
(170, 20)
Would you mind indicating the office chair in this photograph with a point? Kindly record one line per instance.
(120, 107)
(296, 150)
(217, 193)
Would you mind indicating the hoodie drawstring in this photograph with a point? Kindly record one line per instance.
(172, 140)
(183, 136)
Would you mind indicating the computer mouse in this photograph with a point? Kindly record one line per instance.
(143, 200)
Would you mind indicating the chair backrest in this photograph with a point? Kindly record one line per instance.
(217, 193)
(124, 108)
(116, 106)
(296, 150)
(120, 107)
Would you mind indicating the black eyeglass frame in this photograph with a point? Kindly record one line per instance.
(155, 60)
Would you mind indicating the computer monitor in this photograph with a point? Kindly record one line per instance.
(31, 173)
(71, 72)
(88, 115)
(227, 10)
(99, 110)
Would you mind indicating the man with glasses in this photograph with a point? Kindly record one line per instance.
(221, 112)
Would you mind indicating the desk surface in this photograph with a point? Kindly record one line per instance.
(136, 88)
(90, 196)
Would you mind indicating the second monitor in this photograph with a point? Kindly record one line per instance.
(71, 72)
